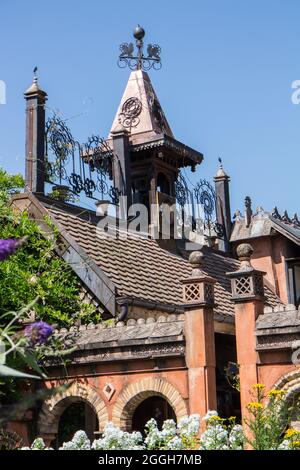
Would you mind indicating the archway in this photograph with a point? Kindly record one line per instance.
(78, 415)
(290, 383)
(137, 392)
(155, 407)
(52, 409)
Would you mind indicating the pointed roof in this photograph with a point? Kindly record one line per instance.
(140, 112)
(34, 89)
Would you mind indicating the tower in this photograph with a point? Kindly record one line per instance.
(149, 155)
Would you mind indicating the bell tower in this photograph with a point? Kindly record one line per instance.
(149, 155)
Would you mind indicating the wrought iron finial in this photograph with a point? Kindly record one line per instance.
(296, 221)
(35, 77)
(275, 213)
(248, 211)
(285, 218)
(220, 162)
(139, 61)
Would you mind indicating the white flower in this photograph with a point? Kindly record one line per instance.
(80, 441)
(116, 439)
(175, 444)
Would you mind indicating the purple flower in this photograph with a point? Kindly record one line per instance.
(38, 332)
(9, 246)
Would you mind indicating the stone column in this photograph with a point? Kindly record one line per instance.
(198, 296)
(35, 138)
(248, 295)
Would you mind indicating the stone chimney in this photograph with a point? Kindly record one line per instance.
(35, 138)
(198, 299)
(223, 205)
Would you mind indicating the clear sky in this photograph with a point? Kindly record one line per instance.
(225, 84)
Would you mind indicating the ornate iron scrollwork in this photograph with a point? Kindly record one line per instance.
(157, 111)
(181, 191)
(131, 109)
(204, 196)
(74, 164)
(139, 61)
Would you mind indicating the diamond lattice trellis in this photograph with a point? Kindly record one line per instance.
(192, 292)
(243, 286)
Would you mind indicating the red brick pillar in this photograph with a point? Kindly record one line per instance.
(198, 295)
(248, 295)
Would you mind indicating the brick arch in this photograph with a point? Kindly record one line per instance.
(137, 392)
(289, 382)
(53, 408)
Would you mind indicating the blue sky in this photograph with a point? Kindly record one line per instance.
(225, 84)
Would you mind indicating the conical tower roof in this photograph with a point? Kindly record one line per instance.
(140, 112)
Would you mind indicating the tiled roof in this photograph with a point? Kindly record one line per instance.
(278, 328)
(141, 269)
(263, 223)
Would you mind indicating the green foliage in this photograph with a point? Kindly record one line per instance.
(35, 270)
(9, 184)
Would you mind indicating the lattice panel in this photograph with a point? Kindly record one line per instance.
(243, 286)
(208, 293)
(258, 285)
(192, 292)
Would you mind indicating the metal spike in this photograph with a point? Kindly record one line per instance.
(275, 213)
(286, 217)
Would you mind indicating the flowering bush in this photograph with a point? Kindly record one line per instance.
(9, 247)
(80, 441)
(172, 437)
(269, 417)
(116, 439)
(38, 332)
(219, 436)
(32, 269)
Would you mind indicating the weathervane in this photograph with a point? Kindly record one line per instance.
(139, 61)
(35, 74)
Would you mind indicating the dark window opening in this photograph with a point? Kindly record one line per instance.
(163, 184)
(228, 397)
(140, 191)
(294, 282)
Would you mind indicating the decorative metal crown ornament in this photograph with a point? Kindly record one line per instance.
(139, 61)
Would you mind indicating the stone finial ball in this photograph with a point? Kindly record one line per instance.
(138, 32)
(196, 258)
(244, 251)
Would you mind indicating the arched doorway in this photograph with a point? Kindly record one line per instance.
(155, 407)
(54, 407)
(77, 416)
(137, 393)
